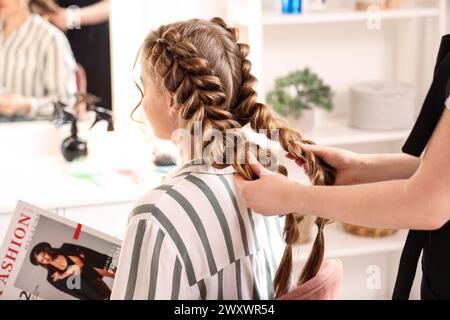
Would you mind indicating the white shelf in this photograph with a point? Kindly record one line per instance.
(240, 16)
(340, 244)
(337, 132)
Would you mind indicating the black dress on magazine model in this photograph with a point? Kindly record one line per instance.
(433, 244)
(93, 267)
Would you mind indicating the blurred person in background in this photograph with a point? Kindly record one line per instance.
(86, 24)
(37, 66)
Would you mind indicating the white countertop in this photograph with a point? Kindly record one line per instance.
(50, 182)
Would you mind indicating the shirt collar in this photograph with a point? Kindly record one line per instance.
(22, 27)
(197, 166)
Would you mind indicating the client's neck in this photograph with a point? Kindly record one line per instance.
(14, 21)
(190, 148)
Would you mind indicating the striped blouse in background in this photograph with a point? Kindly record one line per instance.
(36, 61)
(192, 238)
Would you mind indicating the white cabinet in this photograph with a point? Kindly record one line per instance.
(370, 265)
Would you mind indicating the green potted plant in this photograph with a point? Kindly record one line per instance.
(297, 95)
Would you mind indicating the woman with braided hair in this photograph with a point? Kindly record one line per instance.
(193, 237)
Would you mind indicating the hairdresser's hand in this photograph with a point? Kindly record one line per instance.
(348, 165)
(58, 19)
(11, 105)
(270, 194)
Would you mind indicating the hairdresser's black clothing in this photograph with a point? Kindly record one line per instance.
(435, 245)
(91, 48)
(92, 286)
(436, 265)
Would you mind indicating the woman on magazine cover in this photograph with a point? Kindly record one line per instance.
(73, 260)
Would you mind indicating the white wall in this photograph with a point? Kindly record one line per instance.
(161, 12)
(126, 37)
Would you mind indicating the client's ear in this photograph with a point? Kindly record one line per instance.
(173, 112)
(172, 109)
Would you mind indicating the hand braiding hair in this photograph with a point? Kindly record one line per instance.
(208, 75)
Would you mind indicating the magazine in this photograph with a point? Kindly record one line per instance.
(47, 257)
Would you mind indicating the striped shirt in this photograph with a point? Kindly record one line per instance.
(36, 62)
(192, 238)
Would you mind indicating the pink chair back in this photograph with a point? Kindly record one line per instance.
(326, 285)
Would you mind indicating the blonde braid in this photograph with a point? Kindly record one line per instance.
(249, 111)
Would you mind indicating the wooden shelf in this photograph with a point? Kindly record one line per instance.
(240, 16)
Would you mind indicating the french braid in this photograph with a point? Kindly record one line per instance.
(258, 115)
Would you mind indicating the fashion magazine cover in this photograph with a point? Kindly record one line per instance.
(45, 256)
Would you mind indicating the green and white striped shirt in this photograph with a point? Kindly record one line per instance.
(192, 238)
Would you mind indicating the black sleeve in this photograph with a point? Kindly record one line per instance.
(434, 104)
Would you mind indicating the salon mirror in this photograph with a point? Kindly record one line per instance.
(51, 51)
(59, 68)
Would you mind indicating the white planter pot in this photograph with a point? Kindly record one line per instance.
(381, 106)
(306, 123)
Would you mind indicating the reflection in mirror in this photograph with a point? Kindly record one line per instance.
(53, 52)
